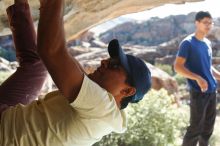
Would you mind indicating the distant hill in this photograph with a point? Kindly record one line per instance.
(153, 31)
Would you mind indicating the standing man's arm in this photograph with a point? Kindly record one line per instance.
(216, 73)
(64, 69)
(179, 66)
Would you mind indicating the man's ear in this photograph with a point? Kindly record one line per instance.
(128, 91)
(196, 23)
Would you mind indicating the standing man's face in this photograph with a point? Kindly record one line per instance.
(204, 25)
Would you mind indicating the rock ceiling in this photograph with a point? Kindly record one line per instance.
(80, 15)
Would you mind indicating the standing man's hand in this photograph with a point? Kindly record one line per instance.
(180, 68)
(202, 84)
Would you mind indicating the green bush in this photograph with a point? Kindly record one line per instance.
(180, 79)
(152, 122)
(167, 68)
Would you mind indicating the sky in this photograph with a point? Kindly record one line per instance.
(171, 9)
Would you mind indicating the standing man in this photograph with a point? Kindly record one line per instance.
(194, 61)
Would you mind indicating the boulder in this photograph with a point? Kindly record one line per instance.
(161, 79)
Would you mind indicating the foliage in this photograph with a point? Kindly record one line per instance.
(180, 79)
(152, 122)
(167, 68)
(218, 108)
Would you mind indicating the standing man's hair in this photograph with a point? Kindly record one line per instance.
(202, 14)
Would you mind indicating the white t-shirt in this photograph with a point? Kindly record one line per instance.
(52, 121)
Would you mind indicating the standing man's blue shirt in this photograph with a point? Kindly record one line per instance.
(198, 55)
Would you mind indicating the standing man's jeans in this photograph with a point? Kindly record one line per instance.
(25, 84)
(202, 118)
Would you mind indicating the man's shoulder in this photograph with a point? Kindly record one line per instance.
(92, 86)
(186, 42)
(207, 41)
(188, 39)
(91, 95)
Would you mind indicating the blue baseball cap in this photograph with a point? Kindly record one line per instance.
(139, 75)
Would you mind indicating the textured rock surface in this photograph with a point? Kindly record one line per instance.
(83, 14)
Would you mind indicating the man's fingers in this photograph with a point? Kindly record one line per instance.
(204, 87)
(203, 90)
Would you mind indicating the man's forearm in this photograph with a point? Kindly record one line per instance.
(186, 73)
(50, 27)
(63, 69)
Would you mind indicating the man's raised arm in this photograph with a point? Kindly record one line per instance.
(52, 49)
